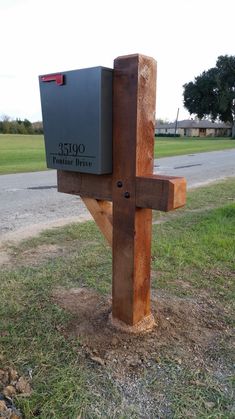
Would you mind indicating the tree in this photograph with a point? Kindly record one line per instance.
(6, 123)
(19, 126)
(212, 93)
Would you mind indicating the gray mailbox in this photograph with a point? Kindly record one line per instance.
(77, 119)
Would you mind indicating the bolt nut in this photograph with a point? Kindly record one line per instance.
(119, 184)
(127, 195)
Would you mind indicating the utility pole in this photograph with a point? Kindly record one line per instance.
(176, 121)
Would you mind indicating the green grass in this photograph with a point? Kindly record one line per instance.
(213, 196)
(166, 147)
(193, 258)
(25, 153)
(201, 251)
(202, 238)
(21, 153)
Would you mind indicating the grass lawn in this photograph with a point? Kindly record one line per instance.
(165, 147)
(55, 300)
(25, 153)
(21, 153)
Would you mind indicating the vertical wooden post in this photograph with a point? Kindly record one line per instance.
(132, 188)
(133, 141)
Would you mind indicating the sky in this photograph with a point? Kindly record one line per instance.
(185, 37)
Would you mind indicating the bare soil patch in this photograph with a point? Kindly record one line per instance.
(186, 329)
(33, 256)
(39, 254)
(42, 253)
(33, 230)
(4, 257)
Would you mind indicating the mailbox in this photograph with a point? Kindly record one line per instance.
(77, 119)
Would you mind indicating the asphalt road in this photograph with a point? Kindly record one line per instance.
(30, 201)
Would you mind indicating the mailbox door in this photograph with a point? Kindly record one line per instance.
(77, 119)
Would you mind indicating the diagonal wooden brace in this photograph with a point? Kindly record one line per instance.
(101, 211)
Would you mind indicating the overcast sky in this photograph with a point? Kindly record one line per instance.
(46, 36)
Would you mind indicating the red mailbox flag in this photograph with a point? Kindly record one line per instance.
(58, 78)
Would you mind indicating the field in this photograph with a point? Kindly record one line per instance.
(54, 306)
(165, 147)
(21, 153)
(25, 153)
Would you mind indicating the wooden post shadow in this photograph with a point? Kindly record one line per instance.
(122, 203)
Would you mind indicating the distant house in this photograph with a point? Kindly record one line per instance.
(195, 128)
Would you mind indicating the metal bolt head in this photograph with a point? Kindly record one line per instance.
(119, 184)
(127, 195)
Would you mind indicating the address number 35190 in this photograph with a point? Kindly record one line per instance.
(70, 149)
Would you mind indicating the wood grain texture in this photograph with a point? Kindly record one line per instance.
(178, 194)
(101, 211)
(133, 136)
(163, 193)
(87, 185)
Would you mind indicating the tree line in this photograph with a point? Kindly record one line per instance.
(19, 126)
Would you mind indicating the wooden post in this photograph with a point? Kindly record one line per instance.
(122, 202)
(133, 142)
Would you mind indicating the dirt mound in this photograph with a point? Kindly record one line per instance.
(185, 329)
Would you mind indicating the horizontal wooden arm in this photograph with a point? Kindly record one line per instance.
(91, 186)
(163, 193)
